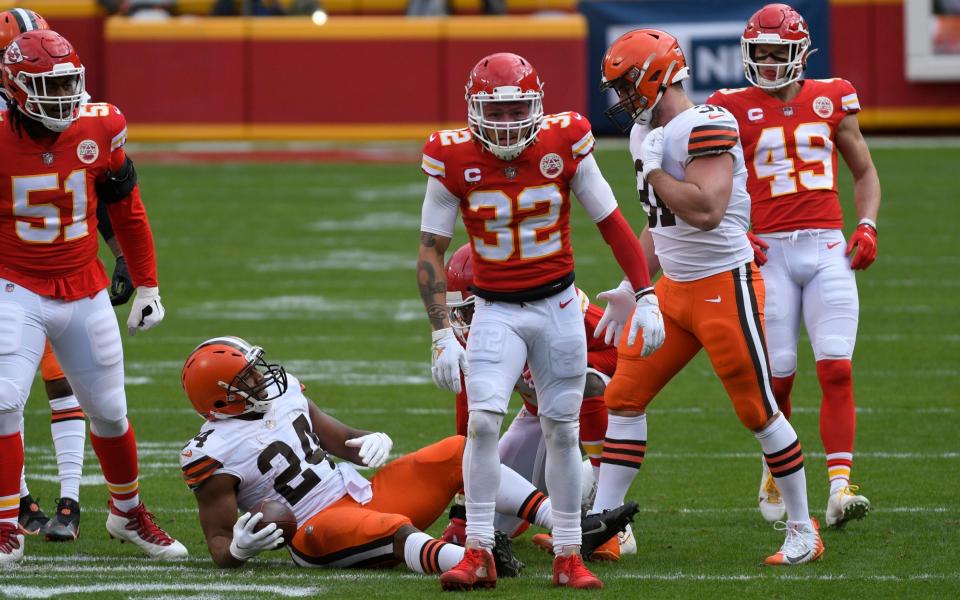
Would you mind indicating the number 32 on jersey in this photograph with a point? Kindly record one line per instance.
(529, 225)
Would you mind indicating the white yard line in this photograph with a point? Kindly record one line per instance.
(33, 591)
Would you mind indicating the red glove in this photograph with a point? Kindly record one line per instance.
(759, 249)
(864, 239)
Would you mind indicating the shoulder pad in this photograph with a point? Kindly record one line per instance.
(438, 146)
(713, 132)
(574, 128)
(197, 467)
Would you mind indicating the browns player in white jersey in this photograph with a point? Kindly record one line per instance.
(692, 180)
(510, 174)
(791, 129)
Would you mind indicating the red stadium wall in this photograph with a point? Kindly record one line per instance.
(867, 47)
(352, 78)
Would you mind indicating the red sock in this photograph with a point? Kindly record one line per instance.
(462, 414)
(593, 428)
(11, 464)
(781, 391)
(838, 416)
(118, 461)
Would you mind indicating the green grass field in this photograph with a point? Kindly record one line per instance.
(316, 264)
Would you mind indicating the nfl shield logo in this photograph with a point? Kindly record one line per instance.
(788, 111)
(9, 287)
(510, 172)
(47, 158)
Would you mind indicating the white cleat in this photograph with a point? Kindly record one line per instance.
(11, 544)
(772, 507)
(802, 545)
(846, 505)
(139, 527)
(628, 543)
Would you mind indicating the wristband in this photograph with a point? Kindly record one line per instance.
(644, 292)
(868, 222)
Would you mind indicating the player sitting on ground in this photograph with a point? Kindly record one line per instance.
(264, 439)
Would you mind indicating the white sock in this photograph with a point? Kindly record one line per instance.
(69, 430)
(24, 490)
(566, 531)
(781, 450)
(517, 497)
(563, 472)
(430, 556)
(481, 475)
(623, 451)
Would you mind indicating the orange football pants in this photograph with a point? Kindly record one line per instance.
(49, 367)
(413, 490)
(723, 314)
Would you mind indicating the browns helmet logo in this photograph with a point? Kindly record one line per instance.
(13, 55)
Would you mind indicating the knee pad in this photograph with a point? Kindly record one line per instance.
(484, 424)
(108, 429)
(783, 363)
(107, 410)
(486, 394)
(834, 372)
(562, 406)
(560, 434)
(11, 398)
(832, 347)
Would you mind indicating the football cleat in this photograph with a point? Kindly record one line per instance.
(508, 565)
(772, 507)
(802, 544)
(569, 571)
(139, 527)
(11, 543)
(456, 531)
(543, 541)
(846, 505)
(628, 543)
(475, 570)
(31, 518)
(609, 551)
(600, 527)
(65, 524)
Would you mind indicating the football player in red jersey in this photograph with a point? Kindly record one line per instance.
(522, 447)
(510, 174)
(60, 160)
(67, 423)
(791, 130)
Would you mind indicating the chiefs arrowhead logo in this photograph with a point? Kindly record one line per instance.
(13, 55)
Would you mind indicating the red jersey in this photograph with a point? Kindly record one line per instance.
(516, 213)
(48, 207)
(791, 152)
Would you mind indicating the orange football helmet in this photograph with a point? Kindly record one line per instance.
(504, 78)
(639, 66)
(460, 298)
(781, 25)
(43, 77)
(226, 376)
(15, 21)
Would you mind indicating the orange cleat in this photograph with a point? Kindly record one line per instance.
(609, 551)
(475, 570)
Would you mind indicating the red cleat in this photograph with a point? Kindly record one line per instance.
(475, 570)
(569, 571)
(456, 532)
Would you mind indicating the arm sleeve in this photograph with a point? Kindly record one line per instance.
(103, 222)
(592, 190)
(626, 249)
(440, 209)
(129, 220)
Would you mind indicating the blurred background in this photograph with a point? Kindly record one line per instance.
(395, 69)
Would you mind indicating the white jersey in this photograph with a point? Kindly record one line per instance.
(275, 457)
(687, 253)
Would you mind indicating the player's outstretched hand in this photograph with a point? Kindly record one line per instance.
(248, 543)
(864, 240)
(121, 284)
(147, 312)
(648, 318)
(620, 304)
(759, 249)
(374, 448)
(448, 359)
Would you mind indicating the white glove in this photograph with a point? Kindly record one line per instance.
(448, 360)
(374, 448)
(147, 312)
(620, 304)
(248, 543)
(651, 151)
(647, 317)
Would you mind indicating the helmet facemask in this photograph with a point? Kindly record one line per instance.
(488, 115)
(54, 97)
(788, 71)
(461, 314)
(634, 107)
(257, 385)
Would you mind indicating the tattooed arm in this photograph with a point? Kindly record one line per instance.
(432, 279)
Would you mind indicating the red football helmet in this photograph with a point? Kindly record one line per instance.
(43, 76)
(226, 376)
(15, 21)
(780, 25)
(640, 65)
(504, 104)
(460, 297)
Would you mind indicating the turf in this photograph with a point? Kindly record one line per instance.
(316, 263)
